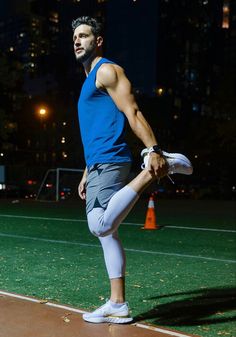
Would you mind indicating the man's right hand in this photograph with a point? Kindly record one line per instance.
(82, 186)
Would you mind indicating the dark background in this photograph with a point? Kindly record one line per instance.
(180, 56)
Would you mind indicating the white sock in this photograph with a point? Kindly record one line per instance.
(115, 305)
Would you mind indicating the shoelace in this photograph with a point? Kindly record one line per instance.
(170, 179)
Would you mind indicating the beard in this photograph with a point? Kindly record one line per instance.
(86, 54)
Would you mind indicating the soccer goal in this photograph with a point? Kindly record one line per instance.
(59, 184)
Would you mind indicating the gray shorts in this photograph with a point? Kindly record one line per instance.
(103, 181)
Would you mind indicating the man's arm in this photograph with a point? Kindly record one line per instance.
(113, 79)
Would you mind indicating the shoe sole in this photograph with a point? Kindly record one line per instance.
(109, 319)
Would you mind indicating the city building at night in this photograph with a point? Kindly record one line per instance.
(180, 57)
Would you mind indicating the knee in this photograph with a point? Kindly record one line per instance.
(94, 231)
(98, 230)
(97, 224)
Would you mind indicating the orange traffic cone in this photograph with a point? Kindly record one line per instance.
(150, 222)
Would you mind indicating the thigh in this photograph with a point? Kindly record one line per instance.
(103, 181)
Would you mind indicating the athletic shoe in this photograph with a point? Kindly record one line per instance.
(177, 162)
(107, 314)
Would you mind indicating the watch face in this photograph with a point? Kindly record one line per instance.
(156, 149)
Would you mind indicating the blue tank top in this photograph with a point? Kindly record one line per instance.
(102, 124)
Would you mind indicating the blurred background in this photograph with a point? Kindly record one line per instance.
(180, 56)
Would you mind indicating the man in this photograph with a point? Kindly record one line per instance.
(106, 102)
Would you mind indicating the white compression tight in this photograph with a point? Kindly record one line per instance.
(114, 255)
(104, 224)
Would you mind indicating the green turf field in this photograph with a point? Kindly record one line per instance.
(181, 276)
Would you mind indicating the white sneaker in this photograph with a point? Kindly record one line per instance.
(177, 162)
(107, 314)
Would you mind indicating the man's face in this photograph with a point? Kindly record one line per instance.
(85, 43)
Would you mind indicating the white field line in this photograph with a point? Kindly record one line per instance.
(68, 308)
(123, 223)
(126, 249)
(30, 299)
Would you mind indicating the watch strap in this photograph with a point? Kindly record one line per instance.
(155, 148)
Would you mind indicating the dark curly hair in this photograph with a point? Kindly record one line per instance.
(96, 26)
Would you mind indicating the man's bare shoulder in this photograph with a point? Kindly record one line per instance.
(108, 74)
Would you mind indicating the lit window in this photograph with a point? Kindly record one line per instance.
(160, 91)
(54, 17)
(11, 126)
(226, 12)
(195, 107)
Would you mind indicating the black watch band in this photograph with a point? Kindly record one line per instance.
(156, 149)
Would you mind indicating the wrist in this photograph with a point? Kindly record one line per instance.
(155, 149)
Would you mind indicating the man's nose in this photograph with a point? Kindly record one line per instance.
(77, 41)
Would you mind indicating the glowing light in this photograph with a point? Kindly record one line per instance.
(42, 111)
(160, 91)
(49, 185)
(226, 14)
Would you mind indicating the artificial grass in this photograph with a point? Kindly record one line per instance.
(187, 294)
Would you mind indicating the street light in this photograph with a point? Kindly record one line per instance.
(42, 113)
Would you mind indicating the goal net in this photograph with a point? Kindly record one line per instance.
(60, 184)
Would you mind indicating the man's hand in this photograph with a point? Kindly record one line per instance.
(157, 165)
(82, 186)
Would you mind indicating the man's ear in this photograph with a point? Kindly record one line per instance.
(99, 41)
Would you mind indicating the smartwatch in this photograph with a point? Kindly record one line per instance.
(156, 149)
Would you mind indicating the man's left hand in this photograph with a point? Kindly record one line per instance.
(157, 165)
